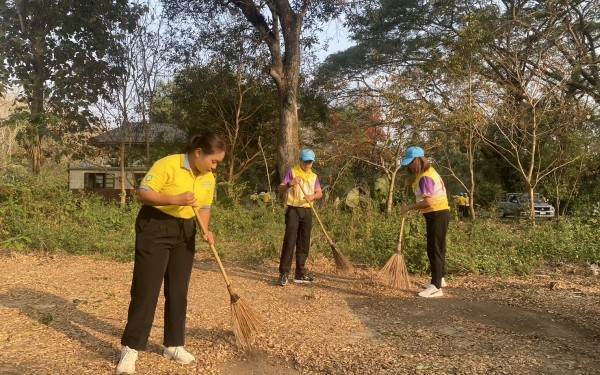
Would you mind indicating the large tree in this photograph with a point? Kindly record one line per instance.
(243, 109)
(283, 27)
(533, 59)
(57, 51)
(575, 27)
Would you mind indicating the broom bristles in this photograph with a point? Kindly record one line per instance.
(246, 322)
(394, 273)
(342, 262)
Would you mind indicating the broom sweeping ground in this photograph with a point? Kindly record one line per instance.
(246, 322)
(394, 273)
(342, 263)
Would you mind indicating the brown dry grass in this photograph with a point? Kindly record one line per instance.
(63, 314)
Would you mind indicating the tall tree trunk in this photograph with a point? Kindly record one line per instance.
(471, 156)
(36, 106)
(288, 140)
(123, 200)
(392, 186)
(122, 152)
(531, 205)
(286, 80)
(285, 67)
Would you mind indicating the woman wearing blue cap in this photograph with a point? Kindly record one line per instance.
(432, 201)
(298, 217)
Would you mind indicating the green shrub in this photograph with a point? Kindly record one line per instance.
(41, 213)
(38, 213)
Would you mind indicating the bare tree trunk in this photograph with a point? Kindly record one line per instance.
(557, 201)
(123, 200)
(268, 174)
(124, 136)
(390, 197)
(284, 70)
(287, 86)
(471, 156)
(531, 204)
(37, 106)
(288, 140)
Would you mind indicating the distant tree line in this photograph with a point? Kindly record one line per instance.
(503, 95)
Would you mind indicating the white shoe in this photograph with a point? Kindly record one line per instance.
(127, 361)
(179, 354)
(425, 286)
(431, 292)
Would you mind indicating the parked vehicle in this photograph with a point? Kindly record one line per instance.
(517, 205)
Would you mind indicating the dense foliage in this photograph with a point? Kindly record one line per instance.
(59, 53)
(502, 95)
(39, 214)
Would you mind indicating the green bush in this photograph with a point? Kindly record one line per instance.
(38, 213)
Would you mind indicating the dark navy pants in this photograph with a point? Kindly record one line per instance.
(164, 251)
(298, 224)
(437, 227)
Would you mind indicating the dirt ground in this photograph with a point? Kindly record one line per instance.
(64, 314)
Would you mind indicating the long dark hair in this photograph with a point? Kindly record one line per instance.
(210, 143)
(419, 165)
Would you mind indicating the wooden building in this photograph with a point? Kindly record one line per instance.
(105, 180)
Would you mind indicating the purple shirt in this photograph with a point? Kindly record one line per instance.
(288, 177)
(427, 186)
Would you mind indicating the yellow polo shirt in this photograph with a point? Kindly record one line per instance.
(172, 175)
(437, 192)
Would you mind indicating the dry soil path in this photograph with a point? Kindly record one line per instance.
(64, 314)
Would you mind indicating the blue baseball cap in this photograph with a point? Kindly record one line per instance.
(411, 154)
(307, 155)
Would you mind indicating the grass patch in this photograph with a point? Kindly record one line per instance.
(39, 214)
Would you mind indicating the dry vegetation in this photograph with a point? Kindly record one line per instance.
(64, 314)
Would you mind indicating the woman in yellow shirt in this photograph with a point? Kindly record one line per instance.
(432, 202)
(165, 245)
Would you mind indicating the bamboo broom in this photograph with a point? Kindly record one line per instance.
(342, 263)
(394, 273)
(246, 322)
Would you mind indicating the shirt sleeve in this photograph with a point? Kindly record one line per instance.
(156, 177)
(288, 177)
(427, 186)
(317, 185)
(206, 203)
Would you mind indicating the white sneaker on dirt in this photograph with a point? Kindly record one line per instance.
(425, 286)
(179, 354)
(431, 292)
(127, 361)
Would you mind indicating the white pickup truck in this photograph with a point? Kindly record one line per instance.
(517, 205)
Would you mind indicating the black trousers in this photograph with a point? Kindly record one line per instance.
(437, 227)
(164, 250)
(298, 224)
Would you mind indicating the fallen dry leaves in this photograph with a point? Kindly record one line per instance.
(64, 314)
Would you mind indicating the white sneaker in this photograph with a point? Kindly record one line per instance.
(179, 354)
(127, 361)
(431, 292)
(425, 286)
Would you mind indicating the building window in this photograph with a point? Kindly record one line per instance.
(99, 181)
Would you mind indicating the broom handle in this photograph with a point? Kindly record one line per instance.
(317, 216)
(399, 246)
(212, 247)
